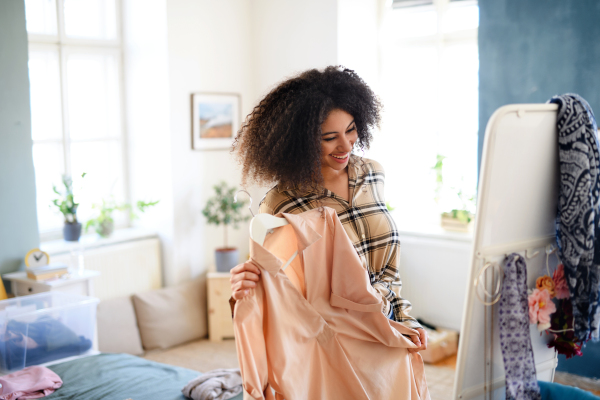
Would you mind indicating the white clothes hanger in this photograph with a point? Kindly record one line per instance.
(263, 224)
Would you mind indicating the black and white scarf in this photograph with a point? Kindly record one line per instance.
(578, 216)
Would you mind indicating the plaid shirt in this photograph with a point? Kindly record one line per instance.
(368, 224)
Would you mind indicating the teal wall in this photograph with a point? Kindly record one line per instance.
(18, 214)
(531, 50)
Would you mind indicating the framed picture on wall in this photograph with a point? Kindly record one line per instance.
(215, 120)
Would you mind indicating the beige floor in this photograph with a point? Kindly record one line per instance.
(205, 356)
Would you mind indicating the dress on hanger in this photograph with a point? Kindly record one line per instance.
(316, 330)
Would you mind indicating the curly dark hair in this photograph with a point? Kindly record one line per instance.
(280, 140)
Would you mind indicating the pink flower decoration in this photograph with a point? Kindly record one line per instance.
(540, 307)
(561, 289)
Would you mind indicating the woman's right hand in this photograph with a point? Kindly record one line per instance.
(243, 277)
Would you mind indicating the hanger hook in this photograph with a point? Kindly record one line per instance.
(250, 197)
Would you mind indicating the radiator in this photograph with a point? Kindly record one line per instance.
(434, 275)
(125, 268)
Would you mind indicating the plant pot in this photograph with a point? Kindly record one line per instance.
(105, 229)
(226, 258)
(454, 224)
(72, 231)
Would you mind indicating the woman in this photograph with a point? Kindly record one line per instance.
(301, 136)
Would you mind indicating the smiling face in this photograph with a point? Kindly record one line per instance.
(338, 136)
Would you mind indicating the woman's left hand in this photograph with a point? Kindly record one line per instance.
(420, 341)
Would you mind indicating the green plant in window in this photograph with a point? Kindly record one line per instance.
(103, 223)
(222, 210)
(66, 201)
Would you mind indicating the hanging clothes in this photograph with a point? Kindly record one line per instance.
(578, 214)
(515, 340)
(326, 339)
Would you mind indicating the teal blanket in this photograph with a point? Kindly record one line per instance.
(120, 377)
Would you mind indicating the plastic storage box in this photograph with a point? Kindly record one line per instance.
(45, 327)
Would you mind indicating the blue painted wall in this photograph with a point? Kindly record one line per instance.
(529, 51)
(18, 213)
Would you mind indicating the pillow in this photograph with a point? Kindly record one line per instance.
(173, 315)
(117, 327)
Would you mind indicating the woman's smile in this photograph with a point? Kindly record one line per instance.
(341, 158)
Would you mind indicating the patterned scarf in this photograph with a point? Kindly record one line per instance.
(515, 340)
(578, 217)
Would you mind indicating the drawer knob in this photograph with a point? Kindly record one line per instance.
(30, 290)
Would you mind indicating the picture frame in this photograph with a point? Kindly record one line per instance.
(215, 120)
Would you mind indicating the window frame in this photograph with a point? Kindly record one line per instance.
(65, 45)
(440, 40)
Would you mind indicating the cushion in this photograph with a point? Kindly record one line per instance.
(173, 315)
(117, 327)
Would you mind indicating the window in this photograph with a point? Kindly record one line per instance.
(429, 88)
(75, 72)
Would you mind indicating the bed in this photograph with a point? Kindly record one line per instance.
(120, 377)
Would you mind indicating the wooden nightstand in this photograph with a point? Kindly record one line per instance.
(82, 284)
(220, 323)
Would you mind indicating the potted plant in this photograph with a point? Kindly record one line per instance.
(221, 210)
(104, 223)
(458, 218)
(67, 206)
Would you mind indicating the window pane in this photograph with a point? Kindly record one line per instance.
(91, 19)
(411, 22)
(93, 96)
(458, 134)
(408, 142)
(48, 162)
(46, 109)
(102, 163)
(461, 17)
(41, 16)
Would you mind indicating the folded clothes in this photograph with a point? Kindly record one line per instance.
(44, 340)
(29, 383)
(220, 384)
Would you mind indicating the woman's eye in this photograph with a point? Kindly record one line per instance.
(329, 139)
(351, 129)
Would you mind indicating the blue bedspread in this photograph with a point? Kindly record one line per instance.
(120, 377)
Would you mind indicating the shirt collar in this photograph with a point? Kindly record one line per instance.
(306, 236)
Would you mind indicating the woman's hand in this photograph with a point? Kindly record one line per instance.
(420, 341)
(243, 278)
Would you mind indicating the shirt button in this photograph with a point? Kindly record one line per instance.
(363, 236)
(364, 188)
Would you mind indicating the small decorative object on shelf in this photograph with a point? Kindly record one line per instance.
(67, 206)
(221, 209)
(104, 223)
(458, 220)
(48, 272)
(36, 258)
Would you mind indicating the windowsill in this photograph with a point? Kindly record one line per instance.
(93, 240)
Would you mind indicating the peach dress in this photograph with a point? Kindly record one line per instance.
(316, 330)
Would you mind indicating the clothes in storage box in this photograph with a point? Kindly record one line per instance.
(45, 327)
(317, 330)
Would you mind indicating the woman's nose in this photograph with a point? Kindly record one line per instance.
(346, 146)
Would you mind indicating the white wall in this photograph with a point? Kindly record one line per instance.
(210, 50)
(358, 32)
(291, 36)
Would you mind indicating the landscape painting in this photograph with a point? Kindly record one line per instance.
(215, 120)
